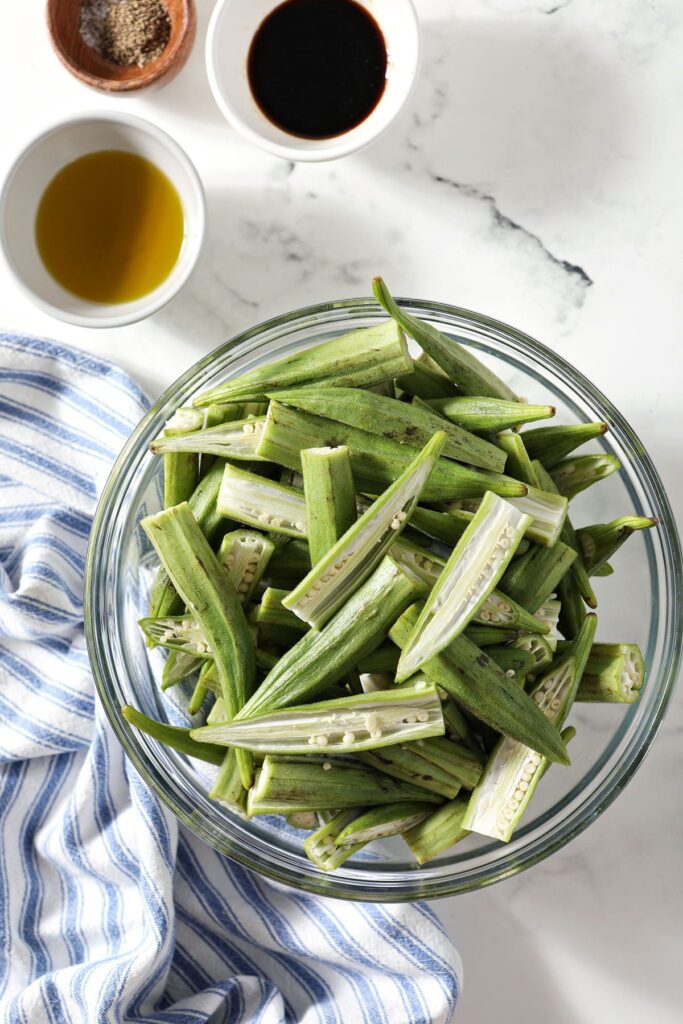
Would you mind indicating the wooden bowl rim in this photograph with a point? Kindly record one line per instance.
(172, 58)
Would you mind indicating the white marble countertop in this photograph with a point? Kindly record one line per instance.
(535, 176)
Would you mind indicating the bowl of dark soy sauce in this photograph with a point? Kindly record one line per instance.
(312, 79)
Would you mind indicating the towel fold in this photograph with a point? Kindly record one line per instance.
(110, 911)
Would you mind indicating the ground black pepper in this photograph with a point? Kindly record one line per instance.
(126, 32)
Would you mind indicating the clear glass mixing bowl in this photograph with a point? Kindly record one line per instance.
(641, 602)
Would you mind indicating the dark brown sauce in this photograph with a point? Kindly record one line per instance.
(317, 68)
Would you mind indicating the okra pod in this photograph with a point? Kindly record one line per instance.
(552, 444)
(538, 647)
(549, 616)
(261, 503)
(382, 822)
(614, 674)
(514, 661)
(406, 764)
(480, 687)
(518, 463)
(490, 636)
(349, 562)
(181, 469)
(360, 358)
(376, 461)
(437, 833)
(323, 657)
(478, 561)
(172, 736)
(383, 659)
(572, 607)
(470, 375)
(238, 439)
(179, 666)
(289, 564)
(500, 797)
(212, 599)
(423, 382)
(411, 425)
(197, 697)
(330, 497)
(463, 763)
(179, 633)
(286, 784)
(599, 542)
(344, 725)
(447, 527)
(576, 473)
(321, 847)
(227, 788)
(531, 579)
(489, 415)
(245, 554)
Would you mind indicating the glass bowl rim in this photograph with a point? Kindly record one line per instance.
(330, 886)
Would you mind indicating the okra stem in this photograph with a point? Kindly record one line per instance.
(330, 497)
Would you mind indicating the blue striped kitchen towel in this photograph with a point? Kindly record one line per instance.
(109, 910)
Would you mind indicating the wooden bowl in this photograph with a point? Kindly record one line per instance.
(63, 22)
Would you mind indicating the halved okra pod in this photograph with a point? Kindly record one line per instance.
(439, 831)
(360, 358)
(376, 461)
(576, 473)
(382, 822)
(500, 797)
(238, 439)
(261, 503)
(477, 563)
(345, 725)
(470, 375)
(408, 424)
(614, 674)
(321, 847)
(350, 561)
(330, 497)
(481, 688)
(531, 579)
(599, 542)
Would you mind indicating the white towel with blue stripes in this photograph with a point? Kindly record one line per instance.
(110, 911)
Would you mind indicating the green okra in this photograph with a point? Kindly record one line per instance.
(538, 647)
(598, 543)
(218, 714)
(376, 461)
(276, 624)
(172, 736)
(481, 688)
(531, 579)
(500, 797)
(286, 784)
(165, 599)
(323, 657)
(457, 727)
(438, 832)
(463, 368)
(552, 444)
(330, 497)
(572, 607)
(489, 415)
(518, 463)
(423, 382)
(549, 616)
(321, 847)
(245, 554)
(478, 561)
(579, 578)
(461, 761)
(513, 660)
(410, 425)
(344, 725)
(491, 636)
(227, 788)
(197, 698)
(181, 469)
(547, 512)
(349, 562)
(214, 415)
(604, 570)
(405, 763)
(261, 503)
(178, 633)
(209, 594)
(238, 439)
(614, 674)
(578, 472)
(361, 358)
(289, 564)
(382, 822)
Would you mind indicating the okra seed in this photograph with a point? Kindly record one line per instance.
(376, 734)
(510, 673)
(513, 805)
(348, 737)
(321, 741)
(420, 685)
(326, 766)
(422, 716)
(301, 527)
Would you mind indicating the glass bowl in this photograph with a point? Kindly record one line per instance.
(641, 602)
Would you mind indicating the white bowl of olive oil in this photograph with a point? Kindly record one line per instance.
(102, 219)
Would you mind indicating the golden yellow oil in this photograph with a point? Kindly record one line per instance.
(110, 226)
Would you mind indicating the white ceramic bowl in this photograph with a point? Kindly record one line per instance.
(32, 172)
(231, 29)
